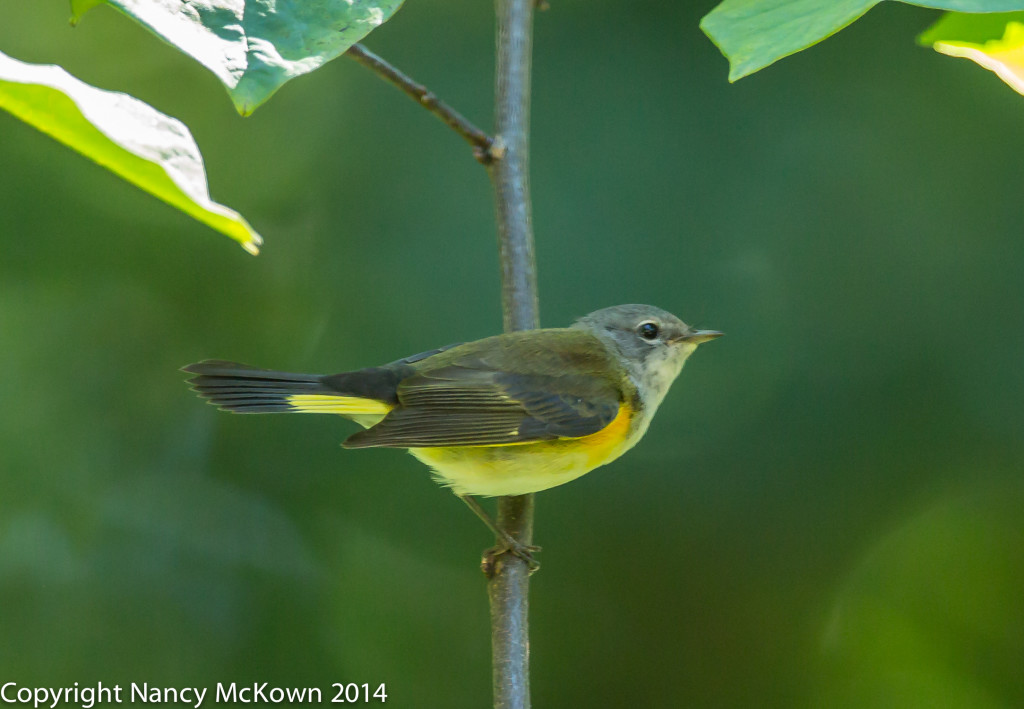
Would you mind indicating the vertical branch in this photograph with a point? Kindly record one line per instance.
(511, 173)
(508, 592)
(508, 585)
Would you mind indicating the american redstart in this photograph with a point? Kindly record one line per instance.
(506, 415)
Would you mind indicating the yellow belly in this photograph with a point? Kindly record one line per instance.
(530, 467)
(500, 470)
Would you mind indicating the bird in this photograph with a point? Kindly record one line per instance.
(511, 414)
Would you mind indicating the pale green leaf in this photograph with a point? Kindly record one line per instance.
(255, 46)
(995, 42)
(128, 137)
(755, 33)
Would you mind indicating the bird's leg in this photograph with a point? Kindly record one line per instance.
(507, 543)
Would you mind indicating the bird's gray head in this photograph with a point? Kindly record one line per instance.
(652, 343)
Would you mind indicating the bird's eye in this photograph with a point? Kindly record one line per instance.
(647, 330)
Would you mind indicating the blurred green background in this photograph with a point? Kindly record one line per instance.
(827, 511)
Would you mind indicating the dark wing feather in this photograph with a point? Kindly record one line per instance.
(501, 391)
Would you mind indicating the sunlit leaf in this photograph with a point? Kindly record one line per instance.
(255, 46)
(996, 42)
(128, 137)
(755, 33)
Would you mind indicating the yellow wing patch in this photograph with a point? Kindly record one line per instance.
(333, 404)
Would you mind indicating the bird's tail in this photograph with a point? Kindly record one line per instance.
(248, 390)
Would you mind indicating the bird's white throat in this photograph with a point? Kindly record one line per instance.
(659, 371)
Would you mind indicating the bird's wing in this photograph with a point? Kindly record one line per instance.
(504, 390)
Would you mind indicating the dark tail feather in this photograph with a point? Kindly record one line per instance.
(243, 389)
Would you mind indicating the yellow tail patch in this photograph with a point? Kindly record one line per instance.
(336, 404)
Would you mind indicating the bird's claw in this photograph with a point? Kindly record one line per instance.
(515, 548)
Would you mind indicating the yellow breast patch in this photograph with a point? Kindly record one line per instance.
(521, 468)
(604, 445)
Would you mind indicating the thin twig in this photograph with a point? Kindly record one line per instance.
(483, 144)
(511, 174)
(509, 575)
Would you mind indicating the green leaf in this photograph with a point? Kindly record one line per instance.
(755, 33)
(995, 42)
(255, 46)
(128, 137)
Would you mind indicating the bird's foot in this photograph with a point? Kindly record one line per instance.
(508, 545)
